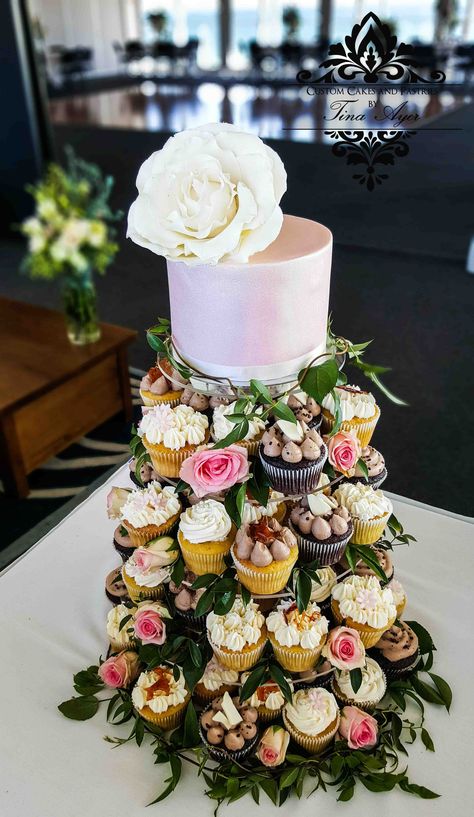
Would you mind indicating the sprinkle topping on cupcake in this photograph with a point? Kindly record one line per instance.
(362, 599)
(312, 710)
(264, 542)
(373, 685)
(173, 427)
(241, 626)
(294, 629)
(362, 501)
(353, 403)
(207, 521)
(153, 505)
(159, 690)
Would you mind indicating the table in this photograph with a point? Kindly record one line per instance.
(54, 610)
(51, 392)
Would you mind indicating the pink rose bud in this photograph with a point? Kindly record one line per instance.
(143, 558)
(116, 498)
(212, 470)
(343, 451)
(358, 728)
(273, 745)
(149, 625)
(344, 648)
(120, 670)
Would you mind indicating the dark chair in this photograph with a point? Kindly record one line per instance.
(134, 50)
(75, 62)
(291, 53)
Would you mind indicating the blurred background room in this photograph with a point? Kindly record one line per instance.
(114, 79)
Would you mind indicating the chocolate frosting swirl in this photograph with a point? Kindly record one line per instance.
(398, 642)
(374, 461)
(385, 563)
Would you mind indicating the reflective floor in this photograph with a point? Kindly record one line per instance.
(285, 113)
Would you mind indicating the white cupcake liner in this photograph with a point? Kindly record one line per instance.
(294, 481)
(326, 554)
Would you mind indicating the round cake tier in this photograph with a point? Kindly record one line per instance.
(265, 319)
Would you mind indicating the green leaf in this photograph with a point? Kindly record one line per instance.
(124, 621)
(204, 581)
(204, 603)
(177, 572)
(254, 791)
(260, 391)
(288, 777)
(238, 433)
(283, 412)
(139, 731)
(392, 397)
(240, 501)
(443, 688)
(425, 642)
(363, 467)
(427, 740)
(368, 556)
(195, 652)
(258, 485)
(224, 603)
(246, 595)
(394, 525)
(80, 709)
(318, 381)
(346, 794)
(253, 682)
(191, 728)
(172, 782)
(356, 678)
(277, 675)
(270, 787)
(420, 791)
(155, 343)
(426, 692)
(349, 554)
(302, 590)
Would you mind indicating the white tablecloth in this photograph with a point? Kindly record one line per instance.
(53, 610)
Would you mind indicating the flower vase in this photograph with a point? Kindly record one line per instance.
(80, 308)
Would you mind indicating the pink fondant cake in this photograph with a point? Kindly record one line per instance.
(262, 319)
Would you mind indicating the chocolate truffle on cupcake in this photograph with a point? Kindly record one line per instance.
(358, 411)
(264, 553)
(147, 571)
(161, 698)
(365, 606)
(222, 426)
(305, 409)
(195, 399)
(376, 470)
(397, 651)
(297, 638)
(172, 434)
(215, 680)
(205, 536)
(161, 385)
(385, 562)
(145, 513)
(268, 699)
(292, 456)
(372, 688)
(370, 511)
(229, 728)
(323, 528)
(238, 637)
(185, 599)
(312, 718)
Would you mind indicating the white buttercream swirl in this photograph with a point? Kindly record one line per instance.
(362, 599)
(362, 501)
(173, 427)
(159, 702)
(152, 505)
(114, 617)
(207, 521)
(221, 426)
(295, 629)
(372, 688)
(253, 512)
(312, 710)
(398, 592)
(272, 699)
(352, 403)
(328, 578)
(152, 577)
(215, 676)
(242, 625)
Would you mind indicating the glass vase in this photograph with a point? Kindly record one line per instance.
(80, 308)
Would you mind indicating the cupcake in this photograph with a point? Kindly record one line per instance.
(161, 385)
(160, 698)
(384, 559)
(121, 637)
(147, 473)
(364, 605)
(185, 599)
(321, 589)
(397, 651)
(370, 511)
(399, 596)
(149, 568)
(172, 434)
(229, 729)
(376, 470)
(312, 718)
(122, 542)
(268, 699)
(305, 409)
(318, 676)
(215, 681)
(358, 410)
(195, 399)
(148, 513)
(370, 692)
(297, 638)
(238, 637)
(322, 527)
(264, 553)
(205, 535)
(115, 588)
(292, 456)
(221, 427)
(253, 511)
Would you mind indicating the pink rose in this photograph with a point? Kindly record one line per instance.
(273, 745)
(343, 452)
(344, 648)
(211, 470)
(120, 670)
(116, 498)
(149, 625)
(358, 728)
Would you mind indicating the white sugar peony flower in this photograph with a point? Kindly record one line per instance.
(212, 193)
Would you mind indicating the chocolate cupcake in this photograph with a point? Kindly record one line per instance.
(319, 676)
(376, 470)
(115, 588)
(123, 543)
(323, 528)
(229, 728)
(397, 651)
(385, 561)
(185, 599)
(306, 409)
(292, 456)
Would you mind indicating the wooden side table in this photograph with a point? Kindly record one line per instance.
(52, 393)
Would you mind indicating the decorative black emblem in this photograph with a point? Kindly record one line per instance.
(370, 53)
(369, 149)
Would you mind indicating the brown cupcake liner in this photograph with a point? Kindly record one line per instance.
(220, 753)
(343, 700)
(326, 554)
(312, 743)
(294, 481)
(363, 428)
(367, 533)
(296, 659)
(368, 635)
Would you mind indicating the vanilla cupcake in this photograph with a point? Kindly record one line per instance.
(364, 605)
(268, 699)
(215, 680)
(297, 638)
(160, 698)
(264, 554)
(292, 456)
(237, 638)
(385, 562)
(372, 688)
(312, 718)
(252, 511)
(323, 528)
(358, 411)
(161, 385)
(205, 536)
(149, 568)
(321, 589)
(121, 635)
(221, 427)
(172, 434)
(149, 512)
(399, 596)
(370, 511)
